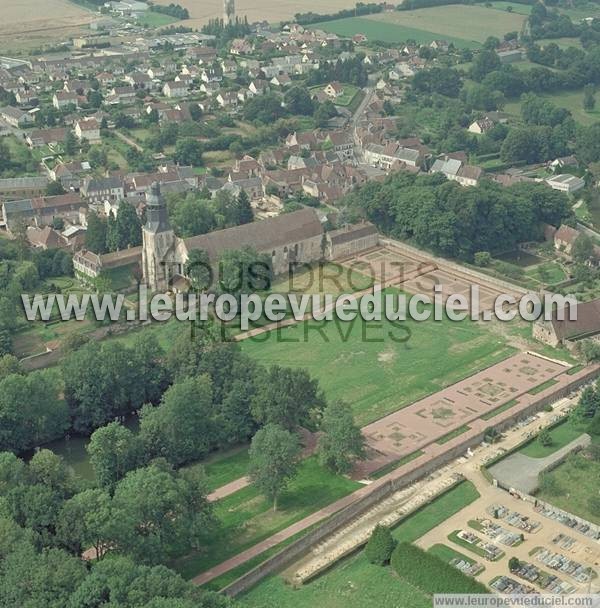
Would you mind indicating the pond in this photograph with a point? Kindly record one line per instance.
(73, 450)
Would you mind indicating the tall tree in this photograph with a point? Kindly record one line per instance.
(342, 443)
(95, 236)
(286, 397)
(274, 454)
(114, 451)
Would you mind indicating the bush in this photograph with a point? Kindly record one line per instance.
(430, 574)
(380, 547)
(482, 258)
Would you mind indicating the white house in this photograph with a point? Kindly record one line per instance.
(566, 183)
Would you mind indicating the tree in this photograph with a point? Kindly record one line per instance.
(243, 209)
(182, 428)
(9, 364)
(95, 236)
(514, 564)
(583, 249)
(158, 512)
(127, 228)
(485, 62)
(114, 451)
(482, 258)
(54, 189)
(274, 454)
(286, 397)
(545, 438)
(44, 579)
(299, 101)
(594, 505)
(342, 441)
(191, 216)
(85, 521)
(380, 547)
(31, 410)
(198, 269)
(71, 145)
(244, 271)
(188, 151)
(589, 101)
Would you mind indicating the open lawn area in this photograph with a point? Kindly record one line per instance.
(464, 26)
(380, 367)
(561, 435)
(247, 517)
(152, 19)
(354, 583)
(573, 484)
(571, 100)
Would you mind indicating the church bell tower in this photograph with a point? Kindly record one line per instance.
(158, 242)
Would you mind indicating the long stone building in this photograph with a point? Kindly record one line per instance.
(297, 237)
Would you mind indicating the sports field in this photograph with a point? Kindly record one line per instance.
(464, 26)
(380, 367)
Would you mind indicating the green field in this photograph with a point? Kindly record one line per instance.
(571, 100)
(561, 435)
(152, 19)
(354, 583)
(520, 9)
(465, 27)
(574, 481)
(380, 367)
(247, 518)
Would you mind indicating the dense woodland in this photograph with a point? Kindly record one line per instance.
(454, 221)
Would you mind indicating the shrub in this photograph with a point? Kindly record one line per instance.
(430, 574)
(380, 547)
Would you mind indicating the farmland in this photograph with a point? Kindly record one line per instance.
(426, 25)
(29, 23)
(362, 364)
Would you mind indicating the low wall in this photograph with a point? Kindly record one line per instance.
(454, 268)
(398, 480)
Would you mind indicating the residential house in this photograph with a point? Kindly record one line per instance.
(16, 117)
(64, 99)
(89, 129)
(175, 89)
(334, 89)
(98, 190)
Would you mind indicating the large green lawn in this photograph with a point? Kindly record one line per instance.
(571, 100)
(380, 367)
(247, 518)
(465, 27)
(354, 583)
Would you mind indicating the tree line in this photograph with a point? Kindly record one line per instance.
(444, 217)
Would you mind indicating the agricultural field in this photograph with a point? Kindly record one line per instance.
(354, 583)
(27, 24)
(381, 367)
(202, 12)
(450, 23)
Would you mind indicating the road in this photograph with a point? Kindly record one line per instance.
(362, 107)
